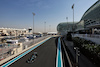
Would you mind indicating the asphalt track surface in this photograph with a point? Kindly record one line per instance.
(46, 56)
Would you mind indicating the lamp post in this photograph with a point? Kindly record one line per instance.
(67, 23)
(77, 56)
(33, 22)
(33, 26)
(16, 34)
(49, 28)
(73, 19)
(67, 19)
(44, 27)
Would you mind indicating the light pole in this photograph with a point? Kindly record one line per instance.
(33, 26)
(16, 34)
(77, 56)
(33, 23)
(73, 19)
(67, 19)
(67, 23)
(49, 28)
(44, 27)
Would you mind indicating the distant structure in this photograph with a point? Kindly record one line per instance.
(13, 32)
(90, 21)
(30, 30)
(52, 33)
(65, 27)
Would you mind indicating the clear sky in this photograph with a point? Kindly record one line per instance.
(18, 13)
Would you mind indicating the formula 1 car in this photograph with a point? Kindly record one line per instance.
(32, 58)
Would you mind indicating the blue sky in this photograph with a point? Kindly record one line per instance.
(18, 13)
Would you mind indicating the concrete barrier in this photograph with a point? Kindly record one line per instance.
(59, 62)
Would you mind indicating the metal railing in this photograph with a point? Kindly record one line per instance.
(66, 53)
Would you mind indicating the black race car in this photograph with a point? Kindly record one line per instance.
(32, 58)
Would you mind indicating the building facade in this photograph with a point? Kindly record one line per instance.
(13, 32)
(65, 27)
(91, 19)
